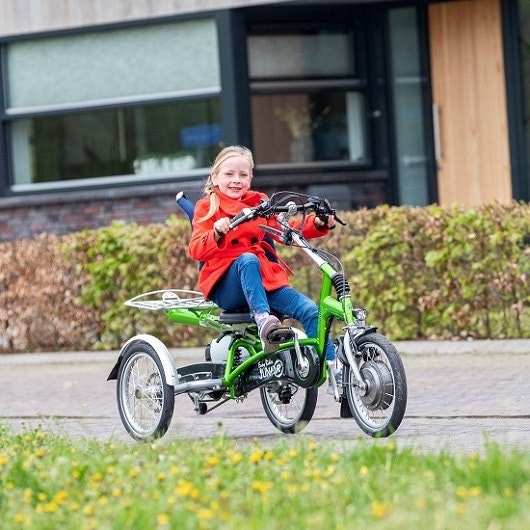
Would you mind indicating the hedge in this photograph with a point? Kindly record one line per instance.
(421, 273)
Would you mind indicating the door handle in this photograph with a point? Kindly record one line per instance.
(437, 139)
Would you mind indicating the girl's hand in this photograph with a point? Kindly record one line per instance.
(221, 227)
(329, 223)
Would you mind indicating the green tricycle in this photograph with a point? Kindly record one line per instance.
(372, 388)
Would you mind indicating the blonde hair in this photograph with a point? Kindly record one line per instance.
(209, 188)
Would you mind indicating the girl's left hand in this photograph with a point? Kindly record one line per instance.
(330, 222)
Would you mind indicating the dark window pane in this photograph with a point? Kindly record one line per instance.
(149, 140)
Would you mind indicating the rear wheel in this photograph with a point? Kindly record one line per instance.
(145, 400)
(288, 406)
(379, 408)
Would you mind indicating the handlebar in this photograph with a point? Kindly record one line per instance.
(321, 207)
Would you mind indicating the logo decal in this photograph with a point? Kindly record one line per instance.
(269, 368)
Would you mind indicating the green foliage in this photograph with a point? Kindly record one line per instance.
(445, 272)
(124, 260)
(52, 482)
(429, 272)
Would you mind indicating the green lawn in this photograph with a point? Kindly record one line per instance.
(52, 482)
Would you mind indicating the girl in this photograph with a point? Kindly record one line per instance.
(237, 273)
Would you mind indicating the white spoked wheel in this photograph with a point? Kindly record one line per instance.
(145, 400)
(288, 406)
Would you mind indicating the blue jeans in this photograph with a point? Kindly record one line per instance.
(242, 287)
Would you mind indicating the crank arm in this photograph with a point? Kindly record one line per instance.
(303, 363)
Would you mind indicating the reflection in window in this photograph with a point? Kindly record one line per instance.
(150, 140)
(309, 127)
(322, 53)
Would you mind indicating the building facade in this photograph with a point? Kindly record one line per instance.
(109, 108)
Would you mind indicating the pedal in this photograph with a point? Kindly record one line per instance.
(278, 335)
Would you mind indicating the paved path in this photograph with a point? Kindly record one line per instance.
(459, 395)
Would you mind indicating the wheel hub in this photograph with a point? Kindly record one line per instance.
(379, 385)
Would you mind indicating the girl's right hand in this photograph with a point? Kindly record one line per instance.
(221, 226)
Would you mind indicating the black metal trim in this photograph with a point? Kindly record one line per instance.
(515, 89)
(235, 98)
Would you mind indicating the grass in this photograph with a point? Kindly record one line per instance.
(53, 482)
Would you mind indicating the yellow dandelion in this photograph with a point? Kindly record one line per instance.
(162, 519)
(3, 461)
(50, 507)
(461, 492)
(380, 509)
(475, 491)
(111, 470)
(40, 452)
(293, 453)
(211, 461)
(312, 446)
(28, 495)
(20, 518)
(175, 470)
(261, 486)
(508, 492)
(116, 493)
(88, 510)
(133, 472)
(363, 471)
(205, 514)
(335, 457)
(285, 475)
(267, 455)
(255, 457)
(60, 497)
(235, 458)
(161, 476)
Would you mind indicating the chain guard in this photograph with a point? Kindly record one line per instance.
(281, 366)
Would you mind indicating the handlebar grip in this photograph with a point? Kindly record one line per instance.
(242, 216)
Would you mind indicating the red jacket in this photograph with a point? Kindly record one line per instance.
(247, 237)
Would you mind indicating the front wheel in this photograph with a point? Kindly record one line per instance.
(288, 406)
(145, 400)
(380, 407)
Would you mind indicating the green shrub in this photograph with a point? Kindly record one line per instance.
(429, 272)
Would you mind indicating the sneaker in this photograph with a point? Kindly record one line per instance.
(270, 324)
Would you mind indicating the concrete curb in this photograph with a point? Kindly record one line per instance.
(477, 347)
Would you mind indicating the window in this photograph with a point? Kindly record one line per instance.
(126, 104)
(308, 101)
(146, 141)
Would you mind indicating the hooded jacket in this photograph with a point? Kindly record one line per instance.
(217, 256)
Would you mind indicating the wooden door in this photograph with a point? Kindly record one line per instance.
(469, 97)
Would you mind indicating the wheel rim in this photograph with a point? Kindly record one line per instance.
(285, 402)
(142, 394)
(374, 407)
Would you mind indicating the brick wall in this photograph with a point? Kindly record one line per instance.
(25, 218)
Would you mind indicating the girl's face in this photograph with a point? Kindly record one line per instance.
(234, 176)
